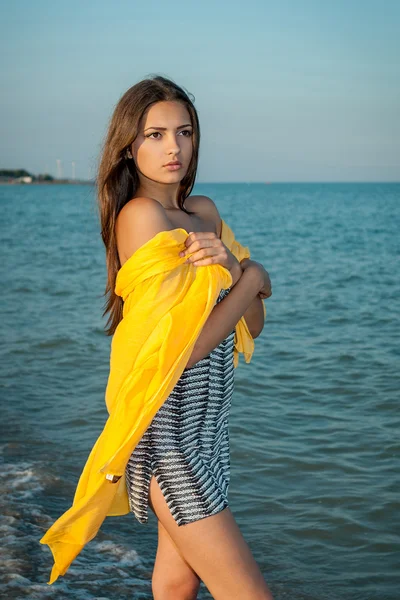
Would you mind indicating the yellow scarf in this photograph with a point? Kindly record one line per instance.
(166, 304)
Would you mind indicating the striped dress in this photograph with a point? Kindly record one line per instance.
(186, 446)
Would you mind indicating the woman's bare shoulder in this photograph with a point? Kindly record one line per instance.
(206, 209)
(138, 221)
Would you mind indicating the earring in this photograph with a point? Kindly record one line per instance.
(128, 153)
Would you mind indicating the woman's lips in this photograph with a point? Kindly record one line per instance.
(173, 167)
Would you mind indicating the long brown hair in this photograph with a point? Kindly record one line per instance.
(117, 179)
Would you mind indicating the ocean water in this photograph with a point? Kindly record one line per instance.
(315, 422)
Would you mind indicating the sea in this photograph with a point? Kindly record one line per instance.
(315, 419)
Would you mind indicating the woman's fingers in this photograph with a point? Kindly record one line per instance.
(206, 248)
(210, 260)
(204, 253)
(200, 239)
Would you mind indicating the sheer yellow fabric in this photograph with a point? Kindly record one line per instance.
(166, 303)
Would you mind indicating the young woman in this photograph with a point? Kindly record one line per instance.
(146, 174)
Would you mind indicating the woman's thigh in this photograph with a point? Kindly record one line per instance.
(173, 577)
(216, 550)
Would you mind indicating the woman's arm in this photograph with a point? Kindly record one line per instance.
(227, 313)
(254, 317)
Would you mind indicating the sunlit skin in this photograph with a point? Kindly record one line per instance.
(165, 134)
(153, 148)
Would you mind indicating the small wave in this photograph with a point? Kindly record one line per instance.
(111, 566)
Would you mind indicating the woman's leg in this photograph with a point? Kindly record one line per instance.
(215, 550)
(173, 578)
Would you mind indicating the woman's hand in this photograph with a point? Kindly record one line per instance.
(208, 249)
(266, 289)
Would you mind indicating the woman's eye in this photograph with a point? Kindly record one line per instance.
(186, 131)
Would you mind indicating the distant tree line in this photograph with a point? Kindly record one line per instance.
(15, 173)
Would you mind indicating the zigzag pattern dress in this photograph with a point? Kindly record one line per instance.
(186, 446)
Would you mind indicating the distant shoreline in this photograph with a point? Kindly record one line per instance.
(54, 182)
(86, 182)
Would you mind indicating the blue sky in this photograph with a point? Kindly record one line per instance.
(295, 90)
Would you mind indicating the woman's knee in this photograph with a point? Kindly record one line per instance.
(173, 578)
(173, 588)
(216, 551)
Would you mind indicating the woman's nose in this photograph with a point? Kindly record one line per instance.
(172, 144)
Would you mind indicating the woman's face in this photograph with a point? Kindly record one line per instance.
(165, 135)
